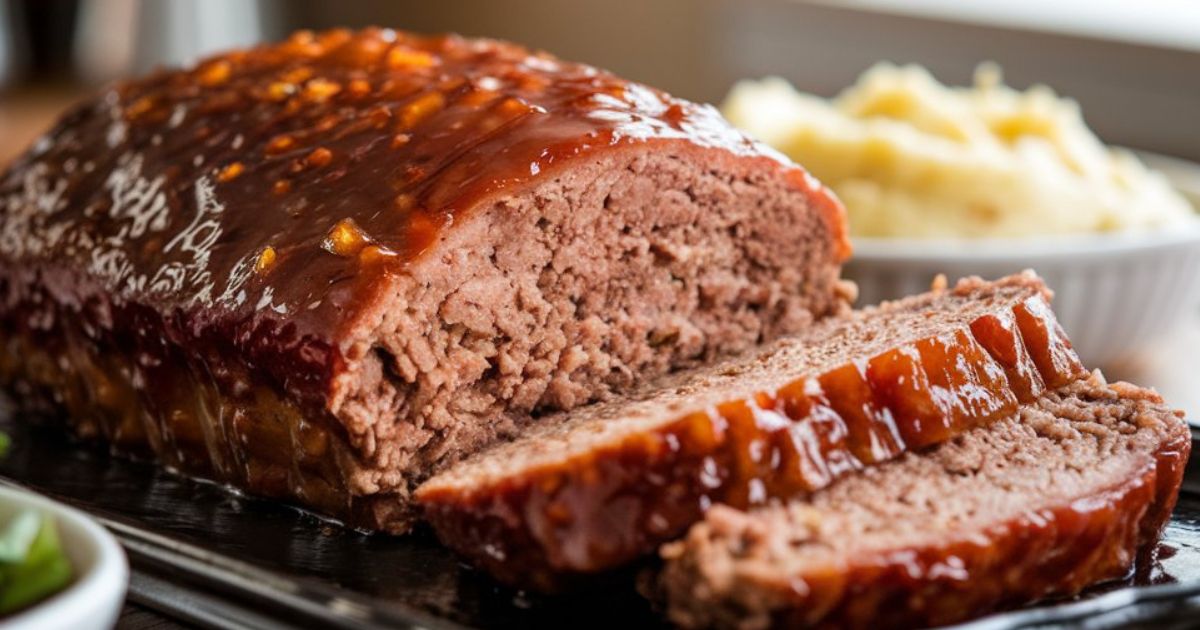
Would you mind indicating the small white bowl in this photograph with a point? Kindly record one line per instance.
(93, 599)
(1114, 293)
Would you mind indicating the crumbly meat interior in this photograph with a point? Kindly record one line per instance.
(612, 272)
(827, 344)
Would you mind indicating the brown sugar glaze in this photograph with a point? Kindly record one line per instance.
(1056, 550)
(602, 509)
(233, 220)
(269, 189)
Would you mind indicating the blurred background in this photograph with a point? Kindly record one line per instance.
(1134, 65)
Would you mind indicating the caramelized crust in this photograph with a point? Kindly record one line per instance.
(323, 269)
(1045, 504)
(274, 189)
(623, 485)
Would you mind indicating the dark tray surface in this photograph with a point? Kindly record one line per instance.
(218, 559)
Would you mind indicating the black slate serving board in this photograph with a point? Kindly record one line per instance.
(216, 559)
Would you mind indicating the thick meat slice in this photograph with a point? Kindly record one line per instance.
(323, 269)
(1040, 504)
(595, 488)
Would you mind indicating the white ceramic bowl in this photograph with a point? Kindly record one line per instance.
(1113, 293)
(94, 598)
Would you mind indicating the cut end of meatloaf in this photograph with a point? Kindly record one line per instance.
(391, 249)
(592, 489)
(1036, 505)
(637, 263)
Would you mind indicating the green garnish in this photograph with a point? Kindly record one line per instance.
(17, 536)
(4, 443)
(40, 571)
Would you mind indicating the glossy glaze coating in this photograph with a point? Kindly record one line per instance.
(269, 190)
(620, 501)
(147, 398)
(183, 257)
(1055, 550)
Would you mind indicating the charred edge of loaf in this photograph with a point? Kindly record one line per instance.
(603, 508)
(1083, 479)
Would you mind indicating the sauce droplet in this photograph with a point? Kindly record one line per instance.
(408, 58)
(215, 73)
(421, 108)
(319, 157)
(230, 172)
(321, 90)
(345, 239)
(265, 259)
(279, 144)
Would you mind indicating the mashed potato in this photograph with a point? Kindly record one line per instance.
(911, 157)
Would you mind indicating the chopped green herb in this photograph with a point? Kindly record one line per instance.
(43, 571)
(17, 536)
(5, 441)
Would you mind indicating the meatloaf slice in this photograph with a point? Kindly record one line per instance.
(592, 489)
(323, 269)
(1039, 504)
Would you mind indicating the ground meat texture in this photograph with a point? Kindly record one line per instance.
(1044, 503)
(324, 269)
(592, 489)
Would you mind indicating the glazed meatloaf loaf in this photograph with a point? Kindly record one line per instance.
(1039, 504)
(595, 488)
(323, 269)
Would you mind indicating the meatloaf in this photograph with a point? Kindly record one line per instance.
(595, 488)
(323, 269)
(1039, 504)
